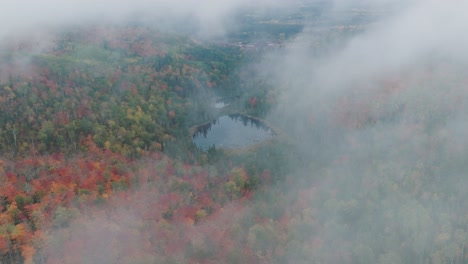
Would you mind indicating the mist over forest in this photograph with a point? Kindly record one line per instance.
(364, 103)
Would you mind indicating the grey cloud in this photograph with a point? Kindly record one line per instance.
(19, 16)
(421, 45)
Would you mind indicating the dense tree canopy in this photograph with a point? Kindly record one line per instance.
(97, 163)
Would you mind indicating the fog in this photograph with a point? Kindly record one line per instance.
(379, 119)
(209, 15)
(376, 116)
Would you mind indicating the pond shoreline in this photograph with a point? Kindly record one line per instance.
(229, 136)
(276, 132)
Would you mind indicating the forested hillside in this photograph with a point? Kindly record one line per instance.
(131, 89)
(367, 162)
(90, 123)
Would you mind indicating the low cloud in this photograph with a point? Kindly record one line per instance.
(379, 118)
(211, 15)
(373, 112)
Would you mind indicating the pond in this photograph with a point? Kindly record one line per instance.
(231, 132)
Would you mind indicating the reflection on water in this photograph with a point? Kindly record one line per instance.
(231, 132)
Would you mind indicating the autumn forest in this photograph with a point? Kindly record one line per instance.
(367, 162)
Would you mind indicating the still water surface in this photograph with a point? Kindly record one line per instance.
(231, 132)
